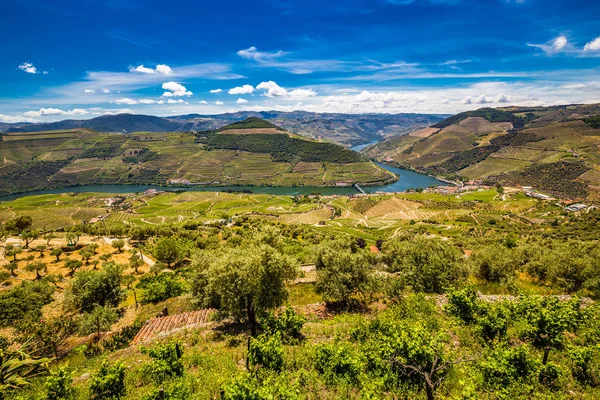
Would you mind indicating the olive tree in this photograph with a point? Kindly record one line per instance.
(245, 281)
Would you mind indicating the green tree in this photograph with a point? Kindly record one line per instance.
(19, 224)
(100, 319)
(29, 236)
(37, 267)
(341, 274)
(41, 248)
(73, 237)
(547, 319)
(56, 253)
(12, 251)
(429, 265)
(86, 253)
(245, 281)
(12, 267)
(496, 263)
(118, 245)
(91, 288)
(48, 238)
(72, 265)
(167, 250)
(135, 261)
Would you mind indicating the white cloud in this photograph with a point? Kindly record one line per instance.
(105, 91)
(245, 89)
(126, 100)
(163, 69)
(219, 103)
(203, 102)
(11, 119)
(593, 45)
(43, 112)
(575, 86)
(28, 67)
(45, 72)
(559, 43)
(147, 101)
(216, 90)
(172, 101)
(175, 89)
(503, 98)
(483, 99)
(556, 45)
(89, 91)
(241, 101)
(160, 69)
(274, 90)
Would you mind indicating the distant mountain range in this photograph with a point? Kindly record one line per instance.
(347, 129)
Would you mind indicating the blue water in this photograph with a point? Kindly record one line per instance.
(407, 180)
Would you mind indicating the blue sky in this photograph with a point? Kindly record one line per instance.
(80, 59)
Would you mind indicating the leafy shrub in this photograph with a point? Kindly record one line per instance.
(248, 387)
(58, 386)
(166, 362)
(160, 287)
(266, 352)
(492, 322)
(504, 366)
(288, 325)
(336, 360)
(109, 382)
(24, 301)
(584, 365)
(550, 375)
(463, 304)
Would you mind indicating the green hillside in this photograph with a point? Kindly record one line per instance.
(50, 159)
(554, 149)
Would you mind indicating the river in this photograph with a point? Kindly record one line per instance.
(407, 180)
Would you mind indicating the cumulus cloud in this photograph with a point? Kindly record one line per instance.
(203, 102)
(160, 69)
(241, 101)
(89, 91)
(105, 91)
(274, 90)
(43, 112)
(173, 101)
(175, 89)
(593, 45)
(28, 67)
(126, 100)
(245, 89)
(147, 101)
(503, 98)
(219, 103)
(216, 90)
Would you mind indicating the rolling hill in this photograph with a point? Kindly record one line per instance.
(554, 149)
(238, 154)
(341, 128)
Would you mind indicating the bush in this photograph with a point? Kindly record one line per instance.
(550, 375)
(288, 325)
(248, 387)
(266, 352)
(584, 365)
(504, 366)
(58, 386)
(24, 302)
(336, 360)
(492, 323)
(496, 263)
(160, 288)
(123, 338)
(166, 362)
(109, 382)
(101, 318)
(463, 304)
